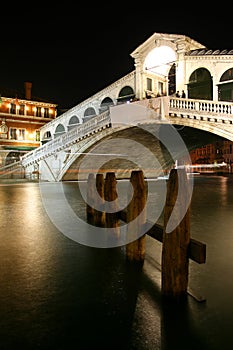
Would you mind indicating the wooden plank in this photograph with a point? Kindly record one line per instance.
(197, 249)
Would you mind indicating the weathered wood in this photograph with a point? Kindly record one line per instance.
(111, 204)
(196, 251)
(176, 243)
(90, 198)
(99, 213)
(136, 218)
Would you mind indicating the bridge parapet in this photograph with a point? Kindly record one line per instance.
(92, 126)
(212, 110)
(196, 110)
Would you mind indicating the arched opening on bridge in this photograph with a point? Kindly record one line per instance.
(73, 122)
(46, 137)
(161, 68)
(60, 129)
(126, 94)
(172, 80)
(13, 157)
(89, 113)
(225, 87)
(200, 85)
(105, 104)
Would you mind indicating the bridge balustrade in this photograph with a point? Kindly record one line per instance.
(212, 111)
(207, 106)
(91, 126)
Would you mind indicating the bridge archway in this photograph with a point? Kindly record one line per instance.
(12, 157)
(200, 85)
(225, 87)
(60, 129)
(74, 121)
(89, 113)
(172, 80)
(47, 136)
(126, 94)
(105, 104)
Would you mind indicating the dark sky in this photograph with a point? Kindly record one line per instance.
(70, 53)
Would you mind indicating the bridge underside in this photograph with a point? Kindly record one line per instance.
(223, 130)
(139, 147)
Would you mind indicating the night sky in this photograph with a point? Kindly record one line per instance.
(71, 52)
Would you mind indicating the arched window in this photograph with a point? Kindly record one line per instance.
(126, 94)
(59, 130)
(105, 104)
(73, 122)
(225, 87)
(200, 85)
(89, 113)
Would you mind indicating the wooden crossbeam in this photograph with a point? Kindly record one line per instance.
(197, 249)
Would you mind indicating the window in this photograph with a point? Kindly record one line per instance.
(21, 109)
(38, 111)
(37, 135)
(13, 108)
(46, 113)
(17, 134)
(149, 84)
(160, 88)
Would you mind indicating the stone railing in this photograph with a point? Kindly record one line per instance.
(210, 110)
(79, 132)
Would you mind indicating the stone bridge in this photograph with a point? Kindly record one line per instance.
(107, 124)
(127, 137)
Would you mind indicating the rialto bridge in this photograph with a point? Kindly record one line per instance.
(164, 65)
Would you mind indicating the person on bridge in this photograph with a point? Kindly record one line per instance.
(183, 95)
(177, 94)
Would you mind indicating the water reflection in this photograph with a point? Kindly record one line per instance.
(56, 292)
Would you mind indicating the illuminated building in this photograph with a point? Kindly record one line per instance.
(21, 117)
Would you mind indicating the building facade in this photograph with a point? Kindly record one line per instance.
(21, 117)
(218, 152)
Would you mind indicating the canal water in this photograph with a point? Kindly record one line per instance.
(59, 294)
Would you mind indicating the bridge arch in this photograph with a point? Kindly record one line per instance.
(225, 86)
(172, 80)
(60, 129)
(210, 127)
(159, 60)
(105, 104)
(89, 113)
(74, 121)
(12, 157)
(47, 136)
(126, 94)
(160, 68)
(200, 85)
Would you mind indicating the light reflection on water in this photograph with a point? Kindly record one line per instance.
(55, 291)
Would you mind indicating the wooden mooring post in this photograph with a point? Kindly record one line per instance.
(175, 257)
(136, 218)
(177, 246)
